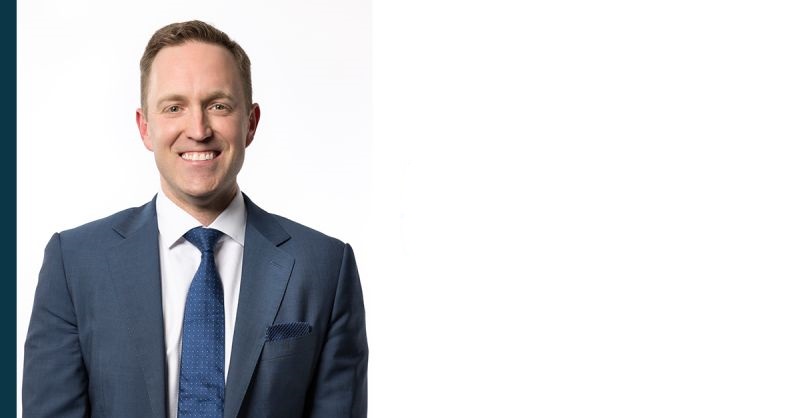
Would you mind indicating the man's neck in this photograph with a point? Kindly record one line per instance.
(204, 212)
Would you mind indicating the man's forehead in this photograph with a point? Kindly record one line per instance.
(191, 63)
(197, 50)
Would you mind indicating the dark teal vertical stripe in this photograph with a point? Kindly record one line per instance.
(8, 208)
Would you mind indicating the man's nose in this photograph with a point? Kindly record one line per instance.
(198, 128)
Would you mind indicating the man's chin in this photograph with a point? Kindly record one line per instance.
(200, 197)
(209, 197)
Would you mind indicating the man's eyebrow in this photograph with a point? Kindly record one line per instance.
(214, 95)
(219, 94)
(170, 98)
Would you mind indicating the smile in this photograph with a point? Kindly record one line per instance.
(199, 156)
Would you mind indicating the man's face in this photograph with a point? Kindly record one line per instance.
(197, 123)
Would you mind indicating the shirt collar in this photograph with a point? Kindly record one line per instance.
(173, 221)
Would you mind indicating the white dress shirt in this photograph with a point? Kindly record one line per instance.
(179, 262)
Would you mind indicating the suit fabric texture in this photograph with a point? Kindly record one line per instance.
(95, 344)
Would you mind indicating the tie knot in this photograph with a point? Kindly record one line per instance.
(203, 238)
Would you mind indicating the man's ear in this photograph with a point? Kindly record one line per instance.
(141, 122)
(252, 123)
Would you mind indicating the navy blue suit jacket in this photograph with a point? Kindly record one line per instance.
(95, 344)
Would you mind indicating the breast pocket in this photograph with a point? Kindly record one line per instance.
(293, 346)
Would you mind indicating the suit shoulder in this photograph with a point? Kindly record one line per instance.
(104, 229)
(301, 232)
(284, 231)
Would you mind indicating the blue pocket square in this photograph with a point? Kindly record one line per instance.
(279, 332)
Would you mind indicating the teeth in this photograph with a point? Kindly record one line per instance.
(197, 156)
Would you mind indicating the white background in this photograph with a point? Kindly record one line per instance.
(562, 209)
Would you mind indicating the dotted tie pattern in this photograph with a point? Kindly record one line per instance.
(202, 380)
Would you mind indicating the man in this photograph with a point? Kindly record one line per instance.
(198, 303)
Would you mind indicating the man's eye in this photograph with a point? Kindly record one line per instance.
(173, 109)
(219, 106)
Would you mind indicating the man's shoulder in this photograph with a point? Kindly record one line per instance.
(293, 236)
(282, 228)
(309, 245)
(302, 232)
(110, 227)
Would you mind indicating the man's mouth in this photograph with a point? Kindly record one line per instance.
(199, 156)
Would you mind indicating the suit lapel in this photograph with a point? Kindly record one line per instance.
(265, 274)
(136, 276)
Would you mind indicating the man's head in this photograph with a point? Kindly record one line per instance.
(196, 116)
(195, 30)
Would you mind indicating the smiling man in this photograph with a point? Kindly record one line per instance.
(198, 303)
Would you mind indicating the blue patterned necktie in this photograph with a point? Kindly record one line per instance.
(202, 381)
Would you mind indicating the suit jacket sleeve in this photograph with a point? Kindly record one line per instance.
(340, 387)
(54, 382)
